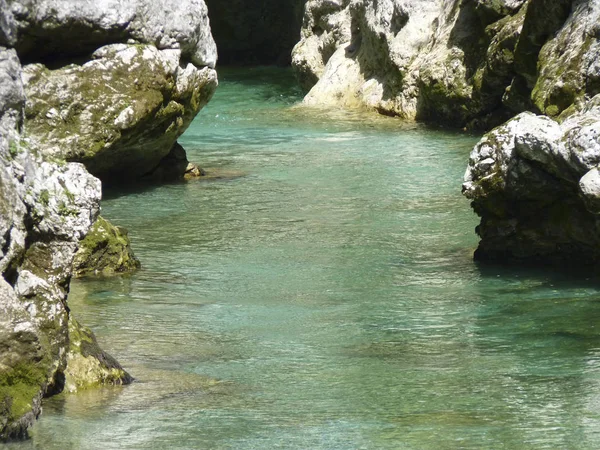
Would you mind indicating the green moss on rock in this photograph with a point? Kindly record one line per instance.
(19, 388)
(118, 114)
(106, 250)
(88, 365)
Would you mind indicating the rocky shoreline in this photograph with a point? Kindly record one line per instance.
(101, 93)
(86, 91)
(476, 64)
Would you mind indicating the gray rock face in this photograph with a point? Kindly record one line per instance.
(458, 62)
(536, 186)
(534, 181)
(45, 209)
(8, 29)
(113, 84)
(121, 112)
(66, 28)
(569, 67)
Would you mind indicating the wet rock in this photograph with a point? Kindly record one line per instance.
(105, 250)
(87, 364)
(193, 170)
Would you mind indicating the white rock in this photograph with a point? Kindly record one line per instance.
(589, 186)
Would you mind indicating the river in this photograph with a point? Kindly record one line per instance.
(322, 295)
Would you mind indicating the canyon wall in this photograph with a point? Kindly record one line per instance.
(103, 87)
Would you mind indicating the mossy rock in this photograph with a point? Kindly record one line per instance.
(118, 114)
(106, 250)
(88, 365)
(26, 368)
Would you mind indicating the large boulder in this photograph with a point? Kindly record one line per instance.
(51, 30)
(535, 183)
(113, 84)
(534, 180)
(119, 113)
(459, 62)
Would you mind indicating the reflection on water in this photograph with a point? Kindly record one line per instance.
(326, 300)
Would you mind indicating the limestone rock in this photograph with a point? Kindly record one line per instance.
(8, 29)
(105, 250)
(569, 67)
(412, 59)
(119, 113)
(473, 63)
(326, 27)
(589, 185)
(45, 209)
(535, 184)
(51, 29)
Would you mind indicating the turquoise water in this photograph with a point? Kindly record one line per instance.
(325, 297)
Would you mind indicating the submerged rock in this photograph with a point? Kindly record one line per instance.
(105, 250)
(535, 184)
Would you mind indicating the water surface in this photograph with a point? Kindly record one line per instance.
(326, 299)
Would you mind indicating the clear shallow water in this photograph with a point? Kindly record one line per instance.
(327, 299)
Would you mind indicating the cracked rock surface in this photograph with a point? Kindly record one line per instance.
(462, 63)
(535, 183)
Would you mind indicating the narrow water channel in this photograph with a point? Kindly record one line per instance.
(322, 295)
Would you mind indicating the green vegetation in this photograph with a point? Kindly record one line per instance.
(18, 388)
(45, 197)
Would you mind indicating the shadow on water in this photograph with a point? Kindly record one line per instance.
(551, 276)
(112, 192)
